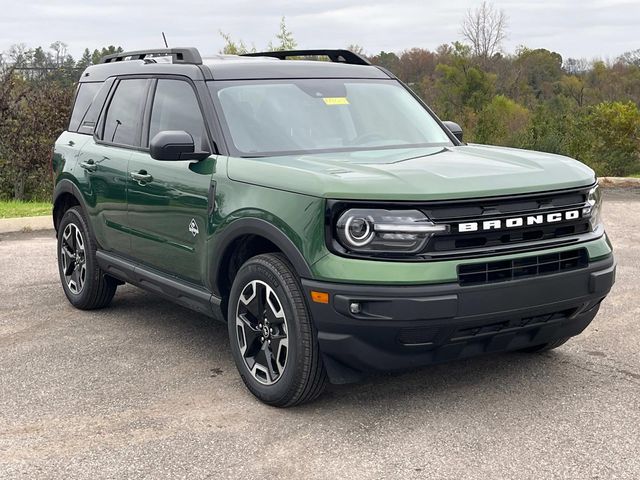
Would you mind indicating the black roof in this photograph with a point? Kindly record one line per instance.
(231, 67)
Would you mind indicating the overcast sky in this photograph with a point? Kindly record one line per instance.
(574, 28)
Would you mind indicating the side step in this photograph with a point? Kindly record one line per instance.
(171, 288)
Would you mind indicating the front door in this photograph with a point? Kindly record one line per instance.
(168, 200)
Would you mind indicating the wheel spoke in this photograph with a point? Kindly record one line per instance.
(79, 241)
(251, 335)
(68, 263)
(261, 361)
(70, 268)
(270, 360)
(278, 342)
(82, 275)
(261, 292)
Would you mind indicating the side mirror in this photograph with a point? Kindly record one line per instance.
(455, 129)
(174, 145)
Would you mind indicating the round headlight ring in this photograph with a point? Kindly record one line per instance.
(359, 239)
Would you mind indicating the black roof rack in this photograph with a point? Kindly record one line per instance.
(340, 56)
(180, 55)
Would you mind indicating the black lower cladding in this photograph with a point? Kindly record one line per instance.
(368, 328)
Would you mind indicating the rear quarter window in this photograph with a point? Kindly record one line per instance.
(84, 96)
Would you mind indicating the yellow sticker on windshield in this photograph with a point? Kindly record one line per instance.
(336, 101)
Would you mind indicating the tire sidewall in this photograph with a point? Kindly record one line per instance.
(255, 269)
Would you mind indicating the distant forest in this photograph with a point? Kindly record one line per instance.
(531, 98)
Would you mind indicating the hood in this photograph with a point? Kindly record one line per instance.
(434, 173)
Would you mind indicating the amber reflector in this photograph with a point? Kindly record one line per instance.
(319, 297)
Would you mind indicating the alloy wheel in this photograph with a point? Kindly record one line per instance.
(73, 258)
(261, 326)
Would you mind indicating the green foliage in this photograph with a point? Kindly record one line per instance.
(36, 92)
(463, 88)
(553, 124)
(607, 138)
(39, 113)
(388, 60)
(503, 122)
(97, 55)
(285, 39)
(538, 69)
(233, 47)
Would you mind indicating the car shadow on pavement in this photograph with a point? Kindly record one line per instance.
(198, 339)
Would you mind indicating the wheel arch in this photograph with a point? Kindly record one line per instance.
(66, 195)
(254, 236)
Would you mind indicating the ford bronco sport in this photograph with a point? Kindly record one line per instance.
(323, 212)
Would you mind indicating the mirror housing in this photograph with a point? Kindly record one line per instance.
(455, 129)
(174, 145)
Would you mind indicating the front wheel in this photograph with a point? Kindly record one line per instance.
(272, 337)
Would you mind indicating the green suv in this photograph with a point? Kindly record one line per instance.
(323, 212)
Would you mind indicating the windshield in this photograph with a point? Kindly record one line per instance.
(293, 116)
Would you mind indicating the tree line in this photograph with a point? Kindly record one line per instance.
(37, 87)
(531, 98)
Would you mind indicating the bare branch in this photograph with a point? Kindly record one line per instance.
(485, 28)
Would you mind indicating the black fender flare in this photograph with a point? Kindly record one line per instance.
(262, 228)
(67, 186)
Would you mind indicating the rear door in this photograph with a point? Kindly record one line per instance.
(103, 161)
(168, 200)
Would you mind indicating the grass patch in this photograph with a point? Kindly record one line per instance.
(13, 209)
(635, 175)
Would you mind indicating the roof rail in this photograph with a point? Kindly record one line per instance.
(188, 55)
(340, 56)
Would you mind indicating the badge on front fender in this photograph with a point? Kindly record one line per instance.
(193, 227)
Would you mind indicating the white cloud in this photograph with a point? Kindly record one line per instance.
(589, 28)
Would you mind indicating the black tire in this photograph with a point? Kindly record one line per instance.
(545, 347)
(303, 377)
(97, 289)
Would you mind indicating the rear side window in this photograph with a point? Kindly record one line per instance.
(84, 97)
(175, 107)
(88, 123)
(124, 114)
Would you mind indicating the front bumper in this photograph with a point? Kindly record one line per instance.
(402, 327)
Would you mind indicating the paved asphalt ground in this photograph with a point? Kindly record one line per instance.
(146, 389)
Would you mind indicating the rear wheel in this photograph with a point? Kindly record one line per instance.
(85, 284)
(272, 337)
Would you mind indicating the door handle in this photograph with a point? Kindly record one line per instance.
(142, 177)
(89, 165)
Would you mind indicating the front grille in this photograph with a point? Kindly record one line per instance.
(455, 243)
(507, 270)
(461, 241)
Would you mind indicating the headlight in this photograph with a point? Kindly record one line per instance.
(385, 231)
(593, 210)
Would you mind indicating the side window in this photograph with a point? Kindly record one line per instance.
(84, 97)
(88, 123)
(175, 107)
(124, 113)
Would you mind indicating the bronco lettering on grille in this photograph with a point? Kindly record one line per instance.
(516, 222)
